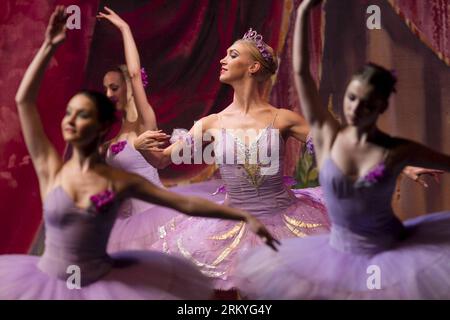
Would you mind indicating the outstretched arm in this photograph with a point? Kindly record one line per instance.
(141, 189)
(146, 114)
(323, 126)
(419, 155)
(416, 173)
(45, 159)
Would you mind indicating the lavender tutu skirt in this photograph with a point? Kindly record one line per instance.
(133, 276)
(140, 230)
(417, 267)
(213, 244)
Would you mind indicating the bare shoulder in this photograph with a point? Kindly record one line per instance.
(121, 180)
(207, 122)
(287, 118)
(288, 115)
(53, 179)
(210, 119)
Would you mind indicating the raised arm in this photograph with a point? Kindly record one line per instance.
(416, 174)
(45, 159)
(146, 114)
(141, 189)
(323, 126)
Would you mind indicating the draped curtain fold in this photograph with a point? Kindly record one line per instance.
(429, 21)
(283, 92)
(22, 27)
(180, 45)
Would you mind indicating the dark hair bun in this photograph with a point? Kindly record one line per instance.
(383, 80)
(105, 107)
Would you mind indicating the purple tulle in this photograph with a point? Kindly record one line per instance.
(213, 244)
(138, 223)
(75, 264)
(369, 253)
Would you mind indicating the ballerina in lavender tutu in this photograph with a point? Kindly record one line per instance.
(250, 185)
(296, 214)
(369, 252)
(81, 198)
(125, 87)
(131, 149)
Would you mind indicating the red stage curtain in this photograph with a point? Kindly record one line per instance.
(283, 92)
(22, 26)
(428, 20)
(180, 42)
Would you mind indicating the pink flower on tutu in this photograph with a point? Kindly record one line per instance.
(118, 147)
(144, 77)
(102, 199)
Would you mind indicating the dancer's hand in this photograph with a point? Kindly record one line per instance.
(112, 17)
(416, 173)
(56, 29)
(258, 228)
(151, 141)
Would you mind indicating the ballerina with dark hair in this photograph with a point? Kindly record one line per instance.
(81, 198)
(130, 150)
(370, 253)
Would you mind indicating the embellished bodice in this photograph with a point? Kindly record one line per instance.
(253, 173)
